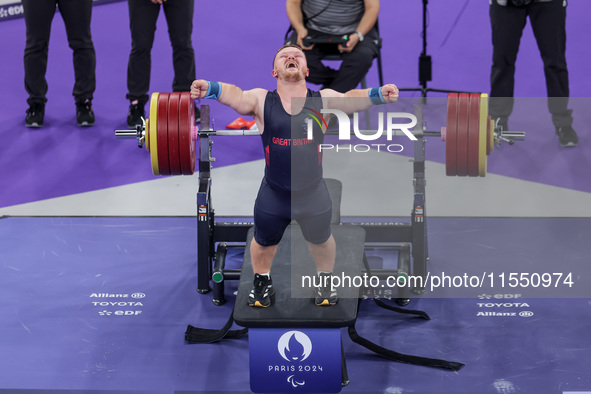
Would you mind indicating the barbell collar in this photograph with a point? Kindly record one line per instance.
(512, 135)
(139, 134)
(125, 134)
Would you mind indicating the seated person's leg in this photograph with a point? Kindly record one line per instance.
(320, 74)
(355, 65)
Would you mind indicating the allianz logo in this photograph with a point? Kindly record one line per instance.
(117, 295)
(108, 295)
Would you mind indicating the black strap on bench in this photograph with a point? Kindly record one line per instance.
(396, 309)
(399, 357)
(207, 335)
(390, 354)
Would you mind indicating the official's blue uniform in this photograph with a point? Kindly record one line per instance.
(293, 186)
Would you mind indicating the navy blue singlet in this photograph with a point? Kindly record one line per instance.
(286, 144)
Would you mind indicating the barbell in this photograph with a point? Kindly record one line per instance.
(170, 133)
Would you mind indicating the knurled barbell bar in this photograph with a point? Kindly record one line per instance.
(169, 134)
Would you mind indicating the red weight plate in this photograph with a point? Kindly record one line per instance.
(186, 143)
(162, 131)
(451, 134)
(173, 134)
(473, 134)
(462, 134)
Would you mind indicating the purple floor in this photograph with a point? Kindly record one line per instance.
(61, 159)
(102, 304)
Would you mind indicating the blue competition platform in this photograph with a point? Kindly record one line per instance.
(102, 304)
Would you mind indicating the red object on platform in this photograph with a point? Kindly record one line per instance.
(241, 123)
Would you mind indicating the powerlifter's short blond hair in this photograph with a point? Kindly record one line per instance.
(283, 47)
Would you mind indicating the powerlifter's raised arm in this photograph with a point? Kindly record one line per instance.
(244, 102)
(374, 96)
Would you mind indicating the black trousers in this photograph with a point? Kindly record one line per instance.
(548, 23)
(354, 66)
(143, 15)
(38, 17)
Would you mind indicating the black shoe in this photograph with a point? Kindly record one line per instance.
(325, 294)
(35, 115)
(84, 113)
(567, 136)
(135, 115)
(262, 291)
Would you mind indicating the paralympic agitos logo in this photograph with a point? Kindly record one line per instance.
(392, 128)
(295, 347)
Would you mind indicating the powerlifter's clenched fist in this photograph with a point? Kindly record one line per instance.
(390, 93)
(199, 88)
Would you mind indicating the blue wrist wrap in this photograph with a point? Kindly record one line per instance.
(214, 90)
(375, 96)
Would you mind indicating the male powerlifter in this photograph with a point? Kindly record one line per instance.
(284, 194)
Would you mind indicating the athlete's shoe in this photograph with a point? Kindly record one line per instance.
(325, 294)
(262, 291)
